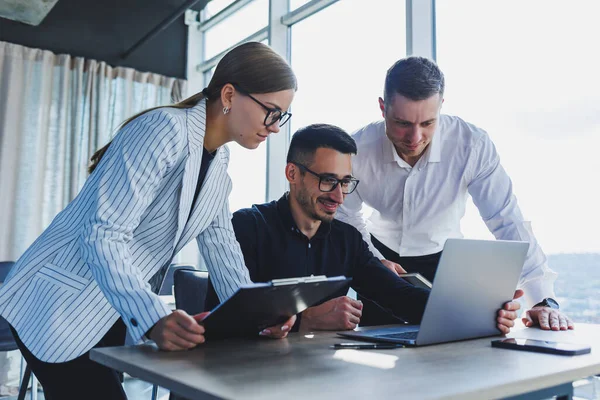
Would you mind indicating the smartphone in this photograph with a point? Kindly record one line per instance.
(542, 346)
(372, 346)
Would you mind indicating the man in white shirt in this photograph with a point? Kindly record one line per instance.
(416, 169)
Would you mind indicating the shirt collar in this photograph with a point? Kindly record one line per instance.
(435, 147)
(283, 207)
(389, 152)
(432, 154)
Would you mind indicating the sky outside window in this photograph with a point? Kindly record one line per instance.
(237, 27)
(530, 79)
(340, 56)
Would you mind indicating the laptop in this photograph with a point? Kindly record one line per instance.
(473, 280)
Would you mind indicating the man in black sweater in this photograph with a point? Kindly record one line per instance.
(297, 235)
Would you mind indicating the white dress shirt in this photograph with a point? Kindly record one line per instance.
(415, 209)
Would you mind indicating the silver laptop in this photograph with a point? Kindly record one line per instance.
(474, 279)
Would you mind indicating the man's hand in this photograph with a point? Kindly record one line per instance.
(178, 331)
(279, 331)
(508, 314)
(392, 266)
(341, 313)
(547, 318)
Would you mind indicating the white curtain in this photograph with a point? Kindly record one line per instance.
(55, 111)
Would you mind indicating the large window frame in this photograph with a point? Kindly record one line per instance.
(420, 40)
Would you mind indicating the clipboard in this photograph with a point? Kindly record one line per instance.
(255, 307)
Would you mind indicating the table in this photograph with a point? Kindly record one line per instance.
(169, 300)
(303, 366)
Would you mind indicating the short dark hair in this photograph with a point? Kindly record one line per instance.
(416, 78)
(307, 140)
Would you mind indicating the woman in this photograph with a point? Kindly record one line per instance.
(161, 182)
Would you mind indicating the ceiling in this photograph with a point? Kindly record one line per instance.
(103, 30)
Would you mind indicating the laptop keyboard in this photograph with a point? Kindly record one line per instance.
(402, 335)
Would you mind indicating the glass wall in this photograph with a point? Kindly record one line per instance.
(213, 7)
(236, 27)
(525, 72)
(297, 4)
(529, 78)
(340, 56)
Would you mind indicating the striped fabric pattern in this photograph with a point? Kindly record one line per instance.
(93, 263)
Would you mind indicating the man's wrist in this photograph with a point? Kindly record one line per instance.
(548, 302)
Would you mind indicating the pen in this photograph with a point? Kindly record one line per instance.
(362, 346)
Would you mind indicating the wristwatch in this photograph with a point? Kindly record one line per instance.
(548, 302)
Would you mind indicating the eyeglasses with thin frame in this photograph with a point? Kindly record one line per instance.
(328, 183)
(273, 116)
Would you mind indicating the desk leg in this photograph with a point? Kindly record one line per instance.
(562, 392)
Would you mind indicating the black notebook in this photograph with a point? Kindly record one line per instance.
(255, 307)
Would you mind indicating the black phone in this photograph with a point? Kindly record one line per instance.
(542, 346)
(372, 346)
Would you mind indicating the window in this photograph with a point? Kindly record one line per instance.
(214, 7)
(294, 4)
(235, 28)
(529, 79)
(340, 56)
(247, 169)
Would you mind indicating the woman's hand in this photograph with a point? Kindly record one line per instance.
(178, 331)
(279, 331)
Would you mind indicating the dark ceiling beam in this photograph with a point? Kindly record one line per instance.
(160, 27)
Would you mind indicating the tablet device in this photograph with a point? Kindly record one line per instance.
(417, 280)
(255, 307)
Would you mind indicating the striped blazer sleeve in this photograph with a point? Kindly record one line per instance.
(223, 255)
(127, 179)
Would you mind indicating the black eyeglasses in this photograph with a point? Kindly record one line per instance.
(273, 116)
(328, 183)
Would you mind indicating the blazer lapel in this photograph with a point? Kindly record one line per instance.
(196, 125)
(212, 198)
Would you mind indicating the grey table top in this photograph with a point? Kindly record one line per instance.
(303, 366)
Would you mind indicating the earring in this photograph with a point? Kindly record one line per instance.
(226, 110)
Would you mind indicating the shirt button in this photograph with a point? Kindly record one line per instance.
(133, 322)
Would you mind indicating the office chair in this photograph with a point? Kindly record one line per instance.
(166, 286)
(190, 290)
(7, 343)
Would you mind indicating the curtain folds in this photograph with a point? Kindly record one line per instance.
(55, 111)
